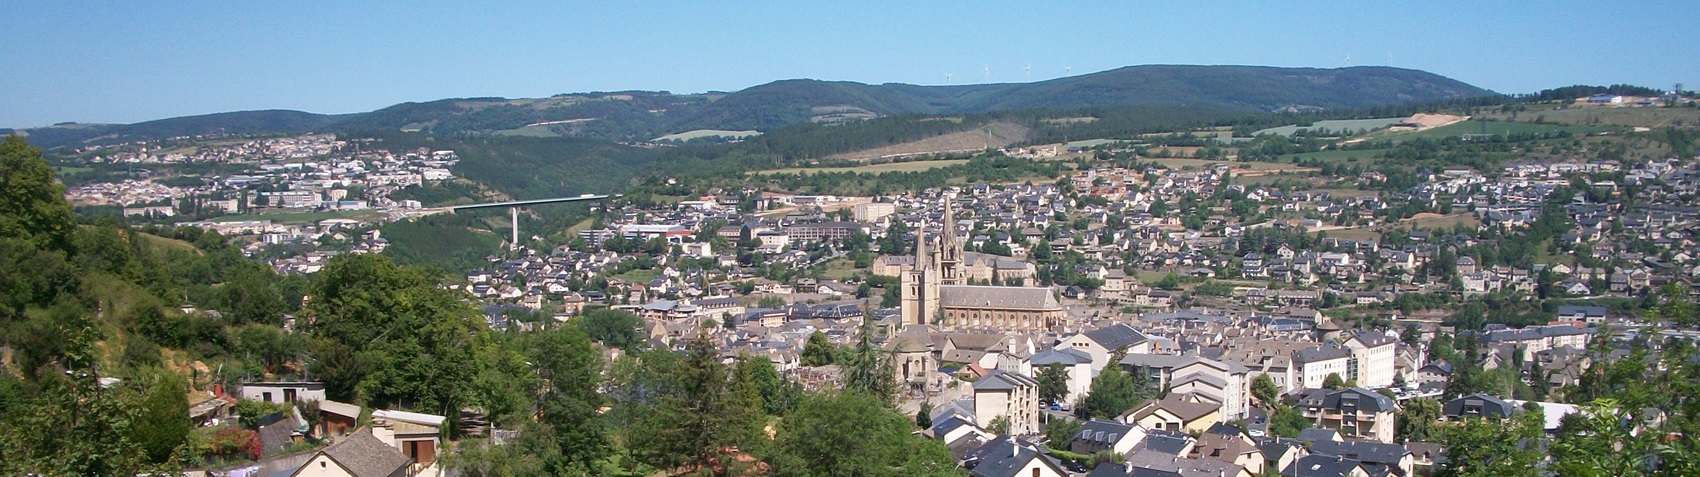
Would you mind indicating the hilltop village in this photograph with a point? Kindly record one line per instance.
(1001, 303)
(1185, 303)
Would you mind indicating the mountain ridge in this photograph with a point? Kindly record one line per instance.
(638, 115)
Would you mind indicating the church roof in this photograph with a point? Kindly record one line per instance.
(1015, 298)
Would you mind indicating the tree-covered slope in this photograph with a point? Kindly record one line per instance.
(1242, 88)
(641, 115)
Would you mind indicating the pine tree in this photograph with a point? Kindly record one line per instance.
(868, 368)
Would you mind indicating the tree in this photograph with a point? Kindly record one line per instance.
(707, 409)
(771, 301)
(814, 441)
(32, 204)
(160, 427)
(1411, 335)
(248, 297)
(1265, 391)
(867, 368)
(613, 328)
(1053, 383)
(1060, 430)
(1171, 281)
(71, 425)
(1333, 381)
(999, 425)
(1418, 420)
(924, 416)
(817, 351)
(415, 339)
(1286, 422)
(778, 394)
(1113, 392)
(569, 370)
(1482, 447)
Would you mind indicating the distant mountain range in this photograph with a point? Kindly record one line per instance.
(641, 115)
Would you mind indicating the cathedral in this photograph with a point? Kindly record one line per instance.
(935, 291)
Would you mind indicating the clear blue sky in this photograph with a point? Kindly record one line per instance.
(138, 60)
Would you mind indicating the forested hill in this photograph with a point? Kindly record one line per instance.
(643, 115)
(1243, 88)
(237, 122)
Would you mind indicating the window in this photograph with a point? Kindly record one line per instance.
(1035, 472)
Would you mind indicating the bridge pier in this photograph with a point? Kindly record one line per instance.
(515, 242)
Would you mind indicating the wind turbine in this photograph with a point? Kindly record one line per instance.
(1068, 70)
(1029, 72)
(1348, 58)
(988, 73)
(947, 78)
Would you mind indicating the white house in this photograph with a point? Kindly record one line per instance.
(282, 392)
(1374, 360)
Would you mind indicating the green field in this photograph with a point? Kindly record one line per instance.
(529, 131)
(299, 217)
(1629, 117)
(1363, 155)
(167, 242)
(702, 133)
(638, 276)
(1349, 192)
(1421, 221)
(1498, 128)
(912, 166)
(1271, 179)
(71, 169)
(841, 268)
(1238, 166)
(1335, 125)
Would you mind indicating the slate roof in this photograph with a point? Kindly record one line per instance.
(1488, 405)
(1588, 311)
(1004, 457)
(1110, 469)
(1115, 336)
(1320, 466)
(1317, 434)
(1373, 339)
(1103, 431)
(1363, 451)
(1367, 400)
(1275, 446)
(1321, 353)
(1187, 411)
(1149, 462)
(1065, 357)
(1000, 380)
(1167, 442)
(1158, 361)
(366, 456)
(1013, 298)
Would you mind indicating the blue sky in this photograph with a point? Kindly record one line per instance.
(140, 60)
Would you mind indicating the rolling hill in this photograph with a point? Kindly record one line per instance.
(639, 115)
(1242, 88)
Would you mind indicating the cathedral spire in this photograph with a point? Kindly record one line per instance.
(922, 259)
(947, 241)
